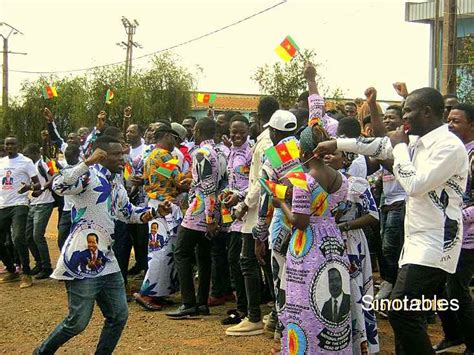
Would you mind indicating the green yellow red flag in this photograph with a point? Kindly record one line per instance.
(287, 49)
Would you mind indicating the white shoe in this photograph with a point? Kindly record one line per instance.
(245, 328)
(384, 291)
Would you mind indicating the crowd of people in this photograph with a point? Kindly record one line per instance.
(298, 207)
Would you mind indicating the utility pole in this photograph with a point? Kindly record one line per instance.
(448, 85)
(130, 30)
(436, 46)
(11, 30)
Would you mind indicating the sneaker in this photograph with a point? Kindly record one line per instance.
(385, 291)
(36, 270)
(445, 345)
(3, 270)
(10, 277)
(266, 317)
(44, 274)
(233, 318)
(26, 281)
(184, 312)
(245, 328)
(216, 301)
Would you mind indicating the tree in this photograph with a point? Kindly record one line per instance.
(465, 71)
(159, 92)
(285, 81)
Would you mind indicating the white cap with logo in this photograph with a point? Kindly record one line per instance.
(282, 120)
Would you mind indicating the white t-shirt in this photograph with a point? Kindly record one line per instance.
(392, 189)
(137, 152)
(14, 172)
(46, 196)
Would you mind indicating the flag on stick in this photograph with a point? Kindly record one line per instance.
(52, 167)
(282, 153)
(297, 178)
(287, 49)
(166, 169)
(127, 170)
(206, 98)
(49, 92)
(226, 215)
(277, 190)
(109, 96)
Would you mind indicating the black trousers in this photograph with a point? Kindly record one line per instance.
(187, 241)
(65, 224)
(122, 247)
(139, 235)
(251, 272)
(460, 324)
(414, 282)
(234, 250)
(220, 274)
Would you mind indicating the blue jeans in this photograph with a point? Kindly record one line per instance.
(64, 228)
(393, 236)
(109, 292)
(36, 223)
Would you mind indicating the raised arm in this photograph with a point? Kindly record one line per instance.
(377, 124)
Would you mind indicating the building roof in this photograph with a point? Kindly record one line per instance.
(425, 11)
(234, 102)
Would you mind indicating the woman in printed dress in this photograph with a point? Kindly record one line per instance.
(316, 317)
(360, 210)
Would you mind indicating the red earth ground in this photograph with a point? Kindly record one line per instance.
(28, 315)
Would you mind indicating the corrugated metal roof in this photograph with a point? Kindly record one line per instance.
(425, 11)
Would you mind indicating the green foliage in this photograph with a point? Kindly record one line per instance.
(159, 92)
(285, 81)
(465, 71)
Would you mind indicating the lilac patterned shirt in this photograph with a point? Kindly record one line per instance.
(203, 192)
(468, 210)
(238, 170)
(317, 115)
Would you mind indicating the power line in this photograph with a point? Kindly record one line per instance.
(160, 50)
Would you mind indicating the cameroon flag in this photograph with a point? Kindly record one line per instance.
(52, 167)
(109, 96)
(287, 49)
(127, 171)
(206, 98)
(282, 153)
(166, 169)
(49, 92)
(277, 190)
(226, 215)
(298, 178)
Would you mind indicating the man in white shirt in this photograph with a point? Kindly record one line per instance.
(41, 207)
(432, 170)
(20, 177)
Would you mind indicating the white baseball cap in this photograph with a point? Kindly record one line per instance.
(282, 120)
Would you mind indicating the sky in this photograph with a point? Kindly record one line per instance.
(360, 43)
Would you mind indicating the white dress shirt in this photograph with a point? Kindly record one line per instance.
(434, 179)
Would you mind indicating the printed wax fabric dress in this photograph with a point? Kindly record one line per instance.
(359, 203)
(317, 317)
(161, 278)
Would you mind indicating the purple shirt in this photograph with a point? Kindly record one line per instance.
(238, 169)
(202, 208)
(468, 210)
(317, 115)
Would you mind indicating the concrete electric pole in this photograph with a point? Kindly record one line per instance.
(448, 85)
(9, 30)
(130, 30)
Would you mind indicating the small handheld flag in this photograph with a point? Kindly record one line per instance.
(206, 98)
(127, 171)
(298, 178)
(109, 96)
(49, 92)
(287, 49)
(282, 153)
(226, 215)
(166, 169)
(277, 190)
